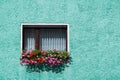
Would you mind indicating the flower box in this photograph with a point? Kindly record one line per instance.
(50, 58)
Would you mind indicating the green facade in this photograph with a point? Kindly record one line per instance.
(94, 37)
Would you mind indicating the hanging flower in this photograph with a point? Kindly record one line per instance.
(50, 57)
(31, 54)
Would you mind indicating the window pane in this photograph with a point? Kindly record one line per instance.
(29, 39)
(52, 39)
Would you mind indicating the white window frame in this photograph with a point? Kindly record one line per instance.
(68, 49)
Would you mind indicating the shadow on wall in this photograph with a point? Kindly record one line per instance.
(40, 68)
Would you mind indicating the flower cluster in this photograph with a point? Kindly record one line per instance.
(50, 57)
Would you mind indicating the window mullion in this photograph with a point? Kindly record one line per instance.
(37, 38)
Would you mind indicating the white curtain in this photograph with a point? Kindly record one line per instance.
(52, 39)
(29, 39)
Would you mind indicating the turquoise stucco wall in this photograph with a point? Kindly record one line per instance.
(94, 37)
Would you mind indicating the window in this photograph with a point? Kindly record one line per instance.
(45, 36)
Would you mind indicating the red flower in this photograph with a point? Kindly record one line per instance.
(40, 60)
(31, 54)
(30, 61)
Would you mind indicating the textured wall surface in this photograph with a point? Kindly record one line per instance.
(94, 37)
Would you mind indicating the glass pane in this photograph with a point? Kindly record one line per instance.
(29, 39)
(52, 39)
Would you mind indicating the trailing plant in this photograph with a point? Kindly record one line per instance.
(50, 57)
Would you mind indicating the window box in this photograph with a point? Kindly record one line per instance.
(50, 57)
